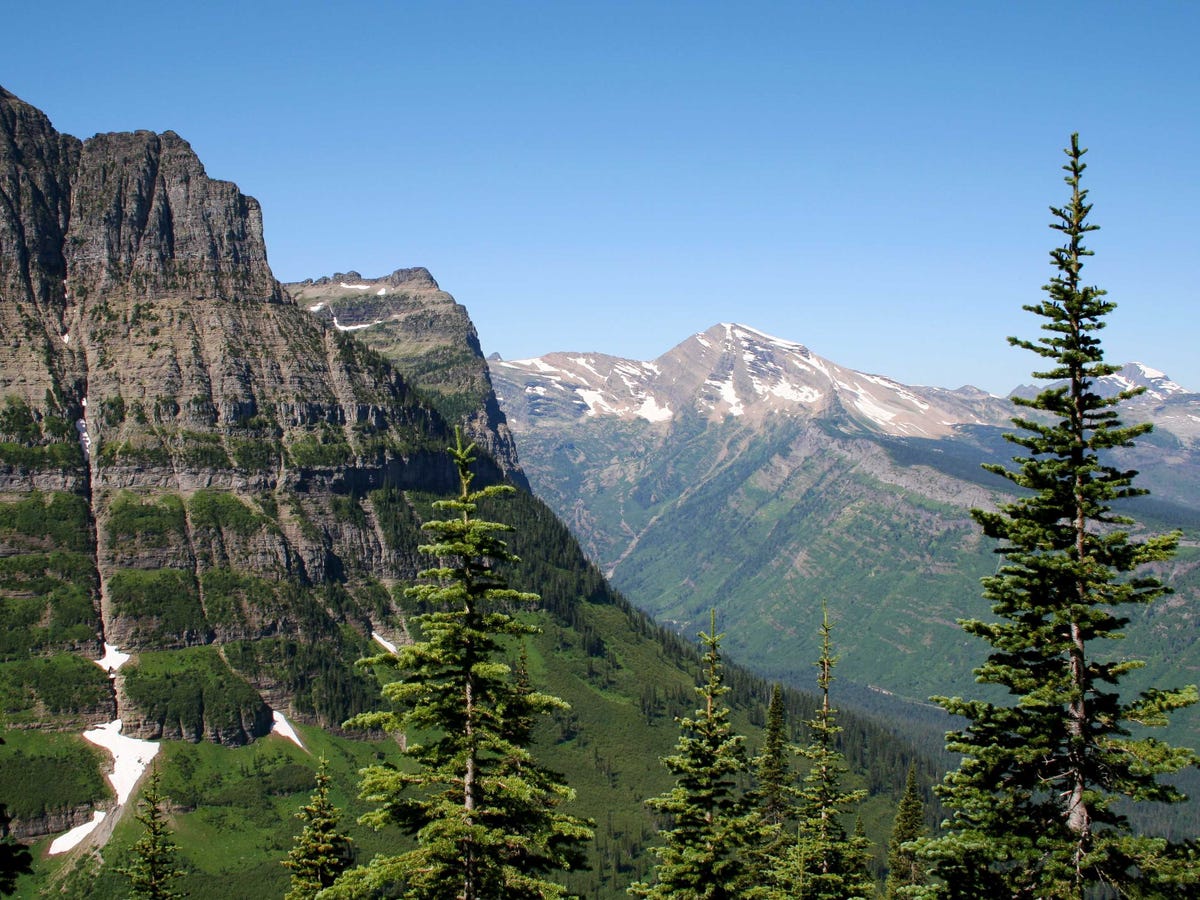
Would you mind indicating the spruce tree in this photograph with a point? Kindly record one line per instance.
(707, 854)
(825, 863)
(1034, 799)
(321, 851)
(153, 869)
(775, 791)
(905, 868)
(776, 794)
(486, 815)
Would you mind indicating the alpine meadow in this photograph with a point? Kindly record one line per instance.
(302, 596)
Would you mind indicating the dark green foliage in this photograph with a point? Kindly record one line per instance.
(484, 812)
(153, 870)
(153, 522)
(46, 601)
(776, 793)
(318, 675)
(195, 692)
(60, 684)
(47, 773)
(321, 851)
(15, 858)
(324, 447)
(223, 511)
(826, 863)
(61, 518)
(164, 601)
(1034, 800)
(905, 868)
(711, 824)
(29, 440)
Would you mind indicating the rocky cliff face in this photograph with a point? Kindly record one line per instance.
(429, 338)
(192, 467)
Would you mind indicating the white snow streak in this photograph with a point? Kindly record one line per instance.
(595, 401)
(112, 659)
(729, 395)
(383, 642)
(66, 338)
(341, 327)
(131, 756)
(72, 838)
(355, 287)
(284, 728)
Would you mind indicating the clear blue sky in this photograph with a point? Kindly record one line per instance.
(871, 179)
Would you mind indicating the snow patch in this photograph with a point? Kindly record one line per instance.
(595, 401)
(112, 659)
(341, 327)
(383, 642)
(729, 395)
(284, 728)
(802, 394)
(381, 292)
(355, 287)
(652, 412)
(85, 439)
(131, 756)
(316, 307)
(66, 338)
(872, 410)
(75, 836)
(1149, 372)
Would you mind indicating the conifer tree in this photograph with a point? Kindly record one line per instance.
(825, 863)
(711, 833)
(153, 868)
(775, 793)
(1033, 800)
(321, 851)
(905, 868)
(484, 812)
(775, 790)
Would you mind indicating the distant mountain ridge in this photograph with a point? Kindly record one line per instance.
(735, 370)
(743, 472)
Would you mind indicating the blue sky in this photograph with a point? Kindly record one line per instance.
(871, 179)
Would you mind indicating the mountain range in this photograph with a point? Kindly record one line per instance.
(744, 472)
(211, 493)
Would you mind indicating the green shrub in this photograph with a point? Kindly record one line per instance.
(44, 773)
(195, 690)
(165, 598)
(150, 523)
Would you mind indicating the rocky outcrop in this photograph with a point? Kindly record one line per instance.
(192, 467)
(429, 338)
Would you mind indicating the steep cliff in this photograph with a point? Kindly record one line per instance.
(429, 338)
(192, 468)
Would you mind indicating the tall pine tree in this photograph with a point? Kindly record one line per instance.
(322, 851)
(712, 823)
(825, 863)
(154, 868)
(485, 814)
(1034, 799)
(905, 867)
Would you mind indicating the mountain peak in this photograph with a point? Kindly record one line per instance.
(730, 370)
